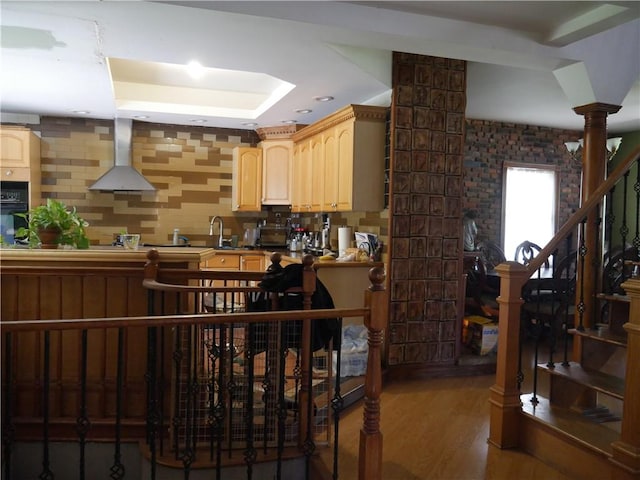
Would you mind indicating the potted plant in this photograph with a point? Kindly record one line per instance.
(54, 224)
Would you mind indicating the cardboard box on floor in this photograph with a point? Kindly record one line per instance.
(480, 334)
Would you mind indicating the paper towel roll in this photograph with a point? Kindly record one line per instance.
(344, 239)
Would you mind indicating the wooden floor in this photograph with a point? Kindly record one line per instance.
(437, 429)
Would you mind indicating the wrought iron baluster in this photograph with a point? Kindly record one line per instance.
(337, 402)
(117, 469)
(555, 303)
(624, 227)
(152, 401)
(46, 473)
(176, 422)
(82, 422)
(636, 189)
(308, 446)
(7, 418)
(189, 413)
(221, 410)
(281, 405)
(582, 252)
(250, 451)
(609, 223)
(572, 269)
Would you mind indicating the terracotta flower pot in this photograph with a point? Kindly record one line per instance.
(49, 237)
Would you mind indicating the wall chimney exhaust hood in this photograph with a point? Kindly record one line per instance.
(122, 177)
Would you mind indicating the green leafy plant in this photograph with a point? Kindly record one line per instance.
(55, 215)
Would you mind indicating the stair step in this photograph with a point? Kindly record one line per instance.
(602, 333)
(614, 297)
(601, 382)
(600, 414)
(617, 311)
(572, 424)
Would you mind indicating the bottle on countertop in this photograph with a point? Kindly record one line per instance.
(176, 232)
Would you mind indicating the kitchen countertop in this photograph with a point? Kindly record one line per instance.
(171, 254)
(104, 254)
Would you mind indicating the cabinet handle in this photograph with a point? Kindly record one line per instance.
(222, 260)
(9, 173)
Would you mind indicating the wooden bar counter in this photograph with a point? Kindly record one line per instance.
(101, 282)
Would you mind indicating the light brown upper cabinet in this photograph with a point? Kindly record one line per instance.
(347, 152)
(277, 171)
(246, 190)
(20, 159)
(301, 188)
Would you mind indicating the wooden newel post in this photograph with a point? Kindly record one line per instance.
(370, 456)
(504, 399)
(151, 267)
(626, 451)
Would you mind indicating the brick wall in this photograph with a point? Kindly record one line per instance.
(489, 145)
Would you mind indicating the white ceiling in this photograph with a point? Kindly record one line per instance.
(529, 62)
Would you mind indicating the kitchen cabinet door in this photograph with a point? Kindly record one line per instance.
(301, 191)
(346, 177)
(331, 171)
(20, 159)
(277, 159)
(317, 173)
(246, 191)
(16, 146)
(363, 164)
(347, 159)
(252, 263)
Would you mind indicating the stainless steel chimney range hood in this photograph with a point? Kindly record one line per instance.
(122, 177)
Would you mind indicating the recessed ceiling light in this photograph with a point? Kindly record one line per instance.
(81, 112)
(195, 69)
(249, 124)
(141, 117)
(199, 120)
(325, 98)
(289, 122)
(304, 110)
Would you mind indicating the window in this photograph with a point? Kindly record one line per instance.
(529, 206)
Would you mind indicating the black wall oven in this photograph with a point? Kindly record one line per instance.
(14, 198)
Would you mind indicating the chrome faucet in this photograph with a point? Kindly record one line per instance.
(221, 225)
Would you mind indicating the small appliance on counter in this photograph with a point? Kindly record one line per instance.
(273, 236)
(251, 238)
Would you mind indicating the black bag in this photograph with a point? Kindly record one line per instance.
(280, 279)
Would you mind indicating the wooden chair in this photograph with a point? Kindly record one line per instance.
(616, 269)
(491, 254)
(551, 301)
(526, 251)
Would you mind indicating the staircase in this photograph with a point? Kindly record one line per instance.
(576, 423)
(583, 413)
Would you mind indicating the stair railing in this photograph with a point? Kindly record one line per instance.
(505, 402)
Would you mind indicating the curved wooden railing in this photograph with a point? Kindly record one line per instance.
(505, 403)
(56, 402)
